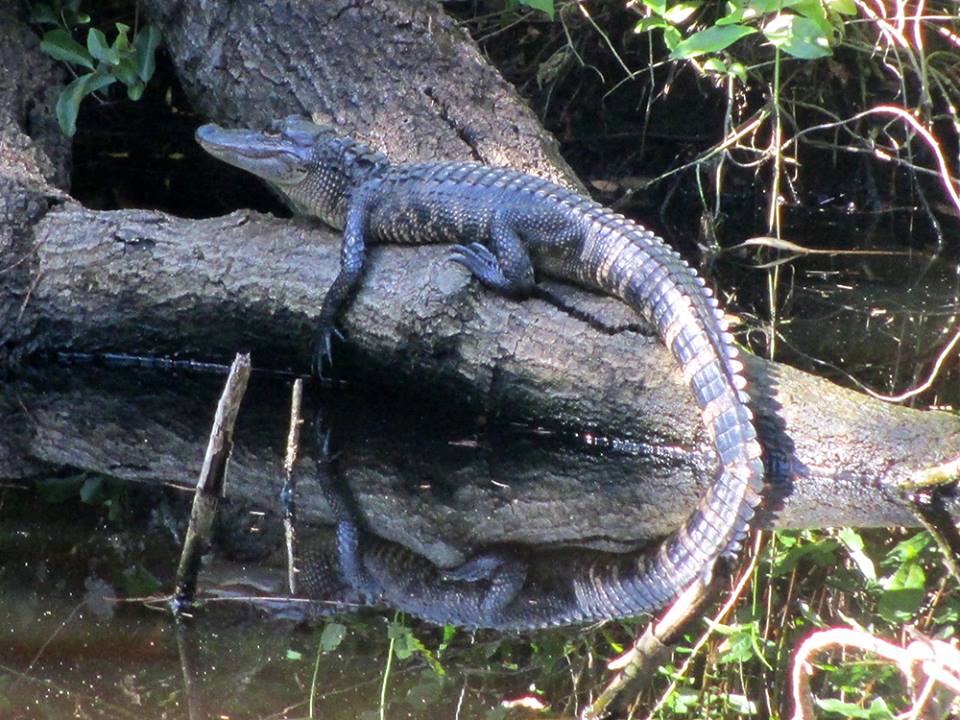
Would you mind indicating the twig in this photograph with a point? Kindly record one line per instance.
(212, 483)
(947, 180)
(938, 475)
(926, 384)
(717, 620)
(287, 494)
(386, 674)
(728, 142)
(187, 652)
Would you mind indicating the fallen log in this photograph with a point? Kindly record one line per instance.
(146, 282)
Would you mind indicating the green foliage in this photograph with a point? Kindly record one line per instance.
(130, 62)
(137, 581)
(804, 29)
(94, 490)
(904, 588)
(406, 644)
(878, 709)
(541, 5)
(332, 635)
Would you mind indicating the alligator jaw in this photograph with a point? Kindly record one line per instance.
(268, 156)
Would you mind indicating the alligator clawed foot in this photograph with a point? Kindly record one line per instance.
(476, 258)
(323, 348)
(484, 265)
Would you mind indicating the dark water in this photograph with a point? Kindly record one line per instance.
(95, 505)
(70, 649)
(871, 305)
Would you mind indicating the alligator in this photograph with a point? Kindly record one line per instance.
(503, 226)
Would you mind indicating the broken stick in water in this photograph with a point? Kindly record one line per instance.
(287, 494)
(212, 483)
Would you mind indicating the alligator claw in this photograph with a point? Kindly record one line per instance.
(323, 351)
(481, 262)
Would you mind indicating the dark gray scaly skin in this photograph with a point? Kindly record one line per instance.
(511, 593)
(503, 224)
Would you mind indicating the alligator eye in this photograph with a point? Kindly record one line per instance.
(274, 129)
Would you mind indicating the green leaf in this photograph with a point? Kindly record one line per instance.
(405, 644)
(294, 655)
(650, 23)
(711, 40)
(99, 79)
(798, 36)
(671, 38)
(908, 549)
(449, 632)
(126, 72)
(909, 576)
(812, 9)
(855, 548)
(830, 25)
(59, 45)
(145, 45)
(541, 5)
(843, 7)
(752, 10)
(68, 104)
(657, 7)
(756, 8)
(92, 491)
(900, 604)
(135, 91)
(878, 709)
(331, 637)
(99, 49)
(839, 707)
(122, 42)
(715, 65)
(72, 15)
(739, 70)
(139, 582)
(821, 552)
(681, 12)
(683, 700)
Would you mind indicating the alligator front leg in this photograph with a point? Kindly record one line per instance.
(352, 254)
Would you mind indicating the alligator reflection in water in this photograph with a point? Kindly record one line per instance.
(443, 488)
(511, 587)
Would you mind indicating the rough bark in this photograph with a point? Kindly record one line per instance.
(142, 281)
(398, 74)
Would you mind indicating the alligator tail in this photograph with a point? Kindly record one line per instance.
(634, 264)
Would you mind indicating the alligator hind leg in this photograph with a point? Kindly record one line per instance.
(505, 572)
(508, 269)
